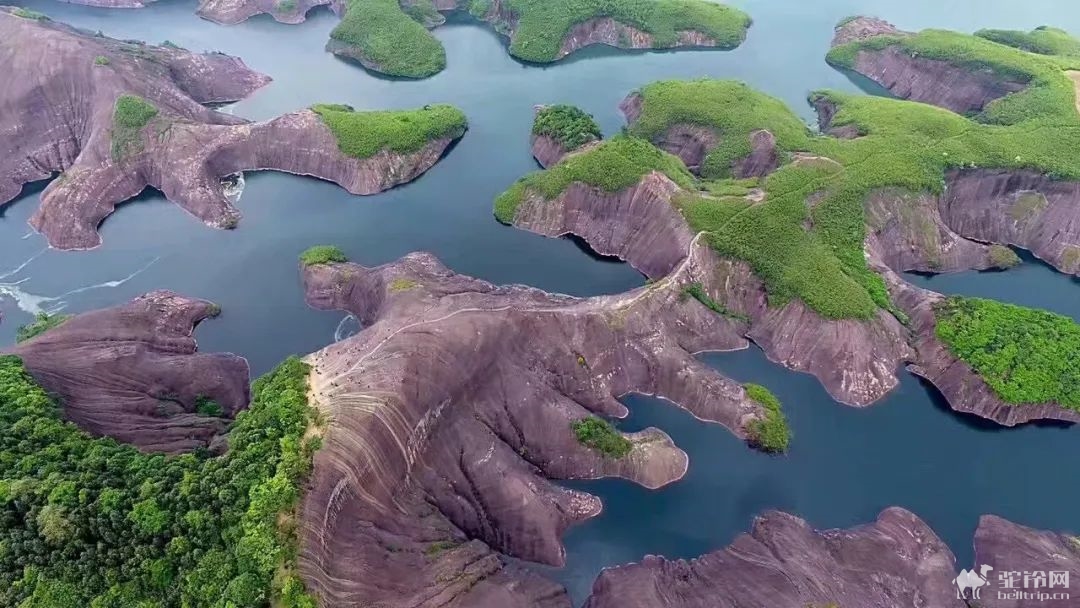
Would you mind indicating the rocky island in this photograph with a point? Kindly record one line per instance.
(138, 119)
(391, 36)
(807, 237)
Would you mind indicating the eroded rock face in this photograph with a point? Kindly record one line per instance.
(546, 150)
(932, 81)
(59, 118)
(453, 407)
(1021, 208)
(230, 12)
(133, 373)
(763, 158)
(960, 385)
(1010, 547)
(855, 360)
(895, 562)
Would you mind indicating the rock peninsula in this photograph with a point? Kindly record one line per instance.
(457, 403)
(133, 373)
(136, 117)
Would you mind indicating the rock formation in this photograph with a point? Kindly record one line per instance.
(133, 373)
(895, 562)
(61, 116)
(547, 148)
(453, 407)
(231, 12)
(909, 76)
(1010, 547)
(855, 360)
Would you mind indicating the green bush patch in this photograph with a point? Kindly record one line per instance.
(598, 434)
(92, 522)
(570, 126)
(1002, 257)
(1043, 40)
(286, 6)
(697, 291)
(26, 13)
(365, 134)
(208, 407)
(388, 40)
(323, 254)
(770, 433)
(43, 322)
(399, 285)
(1025, 355)
(131, 114)
(101, 60)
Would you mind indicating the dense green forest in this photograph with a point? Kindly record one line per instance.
(89, 522)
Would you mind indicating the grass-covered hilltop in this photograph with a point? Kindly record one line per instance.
(802, 226)
(363, 134)
(391, 37)
(569, 126)
(88, 522)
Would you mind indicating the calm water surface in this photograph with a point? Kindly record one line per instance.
(845, 464)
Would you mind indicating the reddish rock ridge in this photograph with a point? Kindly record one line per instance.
(826, 111)
(692, 143)
(58, 117)
(895, 562)
(452, 409)
(133, 373)
(855, 360)
(932, 81)
(1021, 208)
(609, 32)
(961, 386)
(230, 12)
(1011, 547)
(112, 3)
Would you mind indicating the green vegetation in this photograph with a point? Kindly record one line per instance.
(323, 254)
(697, 291)
(286, 6)
(208, 407)
(92, 522)
(102, 60)
(1043, 40)
(130, 115)
(437, 548)
(770, 433)
(26, 13)
(1002, 257)
(612, 166)
(544, 24)
(365, 134)
(1025, 355)
(389, 41)
(43, 322)
(391, 38)
(598, 434)
(398, 285)
(570, 126)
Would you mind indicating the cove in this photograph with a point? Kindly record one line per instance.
(845, 464)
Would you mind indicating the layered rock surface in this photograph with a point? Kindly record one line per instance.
(231, 12)
(58, 117)
(133, 373)
(895, 562)
(453, 407)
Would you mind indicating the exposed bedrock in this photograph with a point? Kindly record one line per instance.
(909, 76)
(453, 407)
(1021, 208)
(112, 3)
(546, 150)
(59, 117)
(608, 31)
(895, 562)
(826, 111)
(960, 385)
(133, 373)
(230, 12)
(692, 143)
(855, 360)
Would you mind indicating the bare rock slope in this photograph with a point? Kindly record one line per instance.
(67, 115)
(453, 407)
(133, 373)
(895, 562)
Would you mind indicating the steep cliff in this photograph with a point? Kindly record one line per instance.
(559, 130)
(112, 118)
(897, 561)
(453, 407)
(285, 11)
(133, 373)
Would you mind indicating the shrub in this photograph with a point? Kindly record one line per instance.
(398, 285)
(101, 60)
(323, 254)
(1002, 257)
(365, 134)
(26, 13)
(598, 434)
(697, 291)
(568, 125)
(130, 115)
(207, 407)
(388, 40)
(1025, 355)
(286, 6)
(770, 433)
(43, 322)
